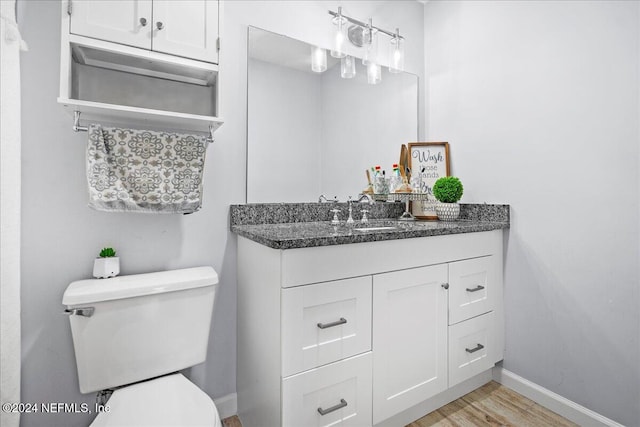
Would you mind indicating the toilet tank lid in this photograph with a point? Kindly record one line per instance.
(96, 290)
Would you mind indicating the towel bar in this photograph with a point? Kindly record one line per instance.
(77, 128)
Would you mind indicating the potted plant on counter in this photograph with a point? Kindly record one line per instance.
(107, 264)
(448, 191)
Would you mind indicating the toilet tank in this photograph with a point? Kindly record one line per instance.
(131, 328)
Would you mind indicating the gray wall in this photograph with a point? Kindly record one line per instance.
(61, 236)
(539, 101)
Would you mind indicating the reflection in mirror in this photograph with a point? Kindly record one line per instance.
(316, 133)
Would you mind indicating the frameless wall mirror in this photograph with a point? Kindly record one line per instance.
(311, 133)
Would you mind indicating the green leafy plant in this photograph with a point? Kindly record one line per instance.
(448, 189)
(107, 253)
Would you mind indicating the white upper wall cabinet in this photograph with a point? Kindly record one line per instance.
(142, 63)
(127, 22)
(186, 28)
(183, 28)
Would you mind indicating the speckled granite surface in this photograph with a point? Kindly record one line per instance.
(301, 225)
(278, 213)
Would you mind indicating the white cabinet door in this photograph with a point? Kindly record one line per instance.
(124, 21)
(324, 323)
(409, 338)
(187, 28)
(338, 394)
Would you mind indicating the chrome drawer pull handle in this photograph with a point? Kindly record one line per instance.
(445, 285)
(477, 288)
(143, 22)
(476, 348)
(342, 321)
(340, 405)
(80, 311)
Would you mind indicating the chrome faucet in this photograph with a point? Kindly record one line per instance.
(365, 198)
(323, 199)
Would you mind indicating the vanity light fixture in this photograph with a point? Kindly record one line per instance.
(348, 67)
(371, 41)
(374, 73)
(339, 38)
(318, 59)
(396, 53)
(365, 35)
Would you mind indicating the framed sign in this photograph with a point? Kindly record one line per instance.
(431, 161)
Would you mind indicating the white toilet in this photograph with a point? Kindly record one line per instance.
(133, 333)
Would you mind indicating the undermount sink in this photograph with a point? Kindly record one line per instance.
(366, 229)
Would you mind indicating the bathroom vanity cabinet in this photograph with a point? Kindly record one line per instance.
(149, 63)
(372, 333)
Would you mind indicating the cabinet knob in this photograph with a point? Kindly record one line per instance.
(160, 25)
(143, 22)
(445, 285)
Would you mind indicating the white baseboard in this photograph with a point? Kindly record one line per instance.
(550, 400)
(227, 405)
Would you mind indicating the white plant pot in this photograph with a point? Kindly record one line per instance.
(448, 211)
(106, 267)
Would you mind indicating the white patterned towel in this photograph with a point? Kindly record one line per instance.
(144, 171)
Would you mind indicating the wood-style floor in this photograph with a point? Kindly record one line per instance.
(231, 422)
(490, 405)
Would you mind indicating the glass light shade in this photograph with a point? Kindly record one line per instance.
(374, 73)
(348, 67)
(318, 59)
(396, 55)
(338, 49)
(371, 49)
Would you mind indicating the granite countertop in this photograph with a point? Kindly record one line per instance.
(265, 224)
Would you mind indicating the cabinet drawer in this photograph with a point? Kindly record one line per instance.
(324, 323)
(341, 391)
(471, 348)
(472, 288)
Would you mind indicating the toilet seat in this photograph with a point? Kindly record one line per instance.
(171, 400)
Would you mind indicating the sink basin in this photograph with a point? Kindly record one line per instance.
(367, 229)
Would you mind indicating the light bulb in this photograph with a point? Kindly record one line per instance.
(318, 59)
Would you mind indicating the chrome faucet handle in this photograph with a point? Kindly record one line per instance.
(364, 218)
(322, 199)
(335, 220)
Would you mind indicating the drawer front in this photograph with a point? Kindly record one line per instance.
(338, 394)
(472, 288)
(324, 323)
(471, 348)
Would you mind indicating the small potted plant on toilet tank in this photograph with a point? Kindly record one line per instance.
(448, 190)
(107, 264)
